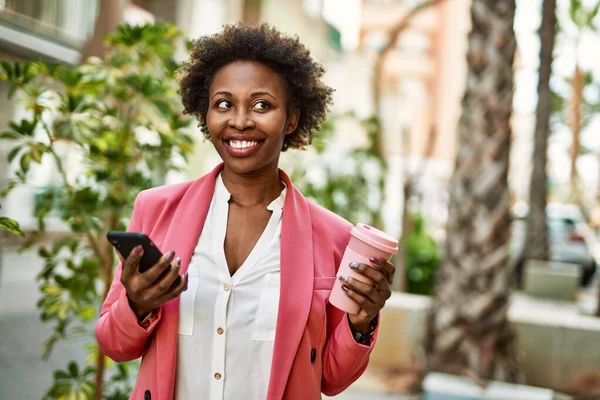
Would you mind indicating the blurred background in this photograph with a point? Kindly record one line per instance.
(401, 128)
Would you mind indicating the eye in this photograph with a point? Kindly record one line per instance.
(261, 105)
(224, 104)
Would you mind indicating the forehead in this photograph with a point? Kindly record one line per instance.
(247, 76)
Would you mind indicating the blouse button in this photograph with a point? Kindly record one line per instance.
(226, 287)
(220, 331)
(217, 376)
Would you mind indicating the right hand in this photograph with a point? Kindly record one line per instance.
(160, 283)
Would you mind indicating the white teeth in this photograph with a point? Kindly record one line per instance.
(241, 144)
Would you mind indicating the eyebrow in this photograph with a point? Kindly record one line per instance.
(254, 94)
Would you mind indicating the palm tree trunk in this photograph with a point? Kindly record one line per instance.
(536, 243)
(575, 122)
(469, 332)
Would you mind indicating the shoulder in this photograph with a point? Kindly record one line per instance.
(162, 195)
(167, 196)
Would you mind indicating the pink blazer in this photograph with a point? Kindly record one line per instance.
(314, 350)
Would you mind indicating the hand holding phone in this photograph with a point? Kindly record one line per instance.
(149, 277)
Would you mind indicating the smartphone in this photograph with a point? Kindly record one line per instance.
(125, 242)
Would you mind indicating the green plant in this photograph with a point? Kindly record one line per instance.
(122, 117)
(10, 225)
(421, 258)
(348, 180)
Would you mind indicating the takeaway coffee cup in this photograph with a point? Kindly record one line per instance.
(365, 241)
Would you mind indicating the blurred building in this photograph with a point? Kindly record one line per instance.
(422, 85)
(424, 74)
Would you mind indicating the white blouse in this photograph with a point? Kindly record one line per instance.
(227, 323)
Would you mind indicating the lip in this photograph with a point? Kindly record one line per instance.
(240, 153)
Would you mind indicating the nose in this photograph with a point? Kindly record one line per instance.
(240, 120)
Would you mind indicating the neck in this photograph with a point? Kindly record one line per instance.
(251, 190)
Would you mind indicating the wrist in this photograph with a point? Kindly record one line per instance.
(361, 328)
(361, 334)
(140, 312)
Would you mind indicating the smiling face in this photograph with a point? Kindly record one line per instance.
(248, 117)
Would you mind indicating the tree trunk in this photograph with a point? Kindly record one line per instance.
(400, 276)
(251, 12)
(575, 122)
(469, 332)
(536, 243)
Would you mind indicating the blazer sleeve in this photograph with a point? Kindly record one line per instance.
(118, 332)
(344, 360)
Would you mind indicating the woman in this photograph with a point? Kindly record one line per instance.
(250, 318)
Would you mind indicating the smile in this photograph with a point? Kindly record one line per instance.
(241, 144)
(242, 148)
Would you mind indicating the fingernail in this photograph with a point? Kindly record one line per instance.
(343, 278)
(137, 251)
(345, 288)
(177, 263)
(375, 260)
(170, 255)
(353, 265)
(186, 281)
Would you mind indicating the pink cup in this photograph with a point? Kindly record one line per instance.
(365, 242)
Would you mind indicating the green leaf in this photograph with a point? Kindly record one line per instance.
(13, 153)
(43, 252)
(11, 226)
(25, 162)
(73, 369)
(37, 151)
(51, 290)
(8, 69)
(87, 313)
(8, 135)
(592, 14)
(25, 127)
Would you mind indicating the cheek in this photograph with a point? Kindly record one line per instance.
(214, 123)
(274, 124)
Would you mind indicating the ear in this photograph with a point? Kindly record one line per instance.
(292, 121)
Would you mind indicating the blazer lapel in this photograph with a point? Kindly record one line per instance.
(182, 236)
(297, 275)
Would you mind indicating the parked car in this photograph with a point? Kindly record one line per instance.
(570, 239)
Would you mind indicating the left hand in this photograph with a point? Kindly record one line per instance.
(370, 298)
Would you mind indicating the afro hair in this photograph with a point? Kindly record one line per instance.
(264, 44)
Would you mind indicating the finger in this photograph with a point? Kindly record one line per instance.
(177, 288)
(364, 289)
(156, 271)
(372, 273)
(385, 266)
(165, 282)
(364, 303)
(132, 262)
